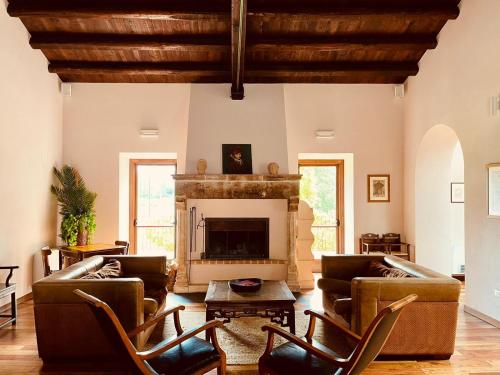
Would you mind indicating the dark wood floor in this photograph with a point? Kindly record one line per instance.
(477, 348)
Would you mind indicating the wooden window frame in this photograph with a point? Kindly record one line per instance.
(134, 163)
(340, 193)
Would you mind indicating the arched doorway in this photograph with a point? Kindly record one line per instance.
(439, 222)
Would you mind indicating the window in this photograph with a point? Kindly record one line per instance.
(152, 215)
(322, 188)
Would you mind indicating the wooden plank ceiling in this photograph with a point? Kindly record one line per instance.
(234, 41)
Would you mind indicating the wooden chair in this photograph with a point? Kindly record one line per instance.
(46, 252)
(184, 354)
(123, 243)
(369, 241)
(307, 356)
(7, 290)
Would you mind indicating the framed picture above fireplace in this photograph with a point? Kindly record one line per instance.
(237, 159)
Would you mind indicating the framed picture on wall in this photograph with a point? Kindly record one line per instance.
(379, 188)
(494, 190)
(237, 159)
(457, 192)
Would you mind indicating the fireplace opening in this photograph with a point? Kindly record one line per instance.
(236, 238)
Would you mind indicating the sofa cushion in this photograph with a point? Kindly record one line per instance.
(150, 306)
(110, 270)
(343, 307)
(378, 269)
(158, 294)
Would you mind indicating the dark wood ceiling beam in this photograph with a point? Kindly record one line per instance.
(48, 41)
(335, 69)
(326, 69)
(210, 43)
(168, 10)
(180, 69)
(238, 43)
(345, 43)
(219, 12)
(326, 12)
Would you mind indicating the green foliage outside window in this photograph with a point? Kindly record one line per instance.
(318, 189)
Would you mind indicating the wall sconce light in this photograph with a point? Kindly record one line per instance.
(495, 106)
(325, 134)
(149, 133)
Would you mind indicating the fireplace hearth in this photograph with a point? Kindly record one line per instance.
(236, 238)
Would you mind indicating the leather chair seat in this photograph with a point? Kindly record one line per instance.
(292, 359)
(187, 358)
(343, 308)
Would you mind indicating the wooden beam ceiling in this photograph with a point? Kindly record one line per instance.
(232, 41)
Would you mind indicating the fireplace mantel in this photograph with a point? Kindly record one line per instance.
(237, 186)
(229, 186)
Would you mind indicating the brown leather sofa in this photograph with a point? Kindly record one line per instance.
(66, 327)
(425, 329)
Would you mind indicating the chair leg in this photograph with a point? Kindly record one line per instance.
(262, 369)
(221, 370)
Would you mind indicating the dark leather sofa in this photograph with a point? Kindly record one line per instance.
(66, 328)
(426, 329)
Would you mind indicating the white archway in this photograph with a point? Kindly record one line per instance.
(439, 224)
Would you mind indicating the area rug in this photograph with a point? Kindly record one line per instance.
(242, 339)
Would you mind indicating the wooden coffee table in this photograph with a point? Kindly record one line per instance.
(274, 300)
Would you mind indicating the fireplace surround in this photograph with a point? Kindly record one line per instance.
(234, 187)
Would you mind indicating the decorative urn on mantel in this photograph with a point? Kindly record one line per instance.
(235, 186)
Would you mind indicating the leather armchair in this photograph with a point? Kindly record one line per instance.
(427, 328)
(65, 326)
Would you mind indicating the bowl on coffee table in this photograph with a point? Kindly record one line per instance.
(248, 285)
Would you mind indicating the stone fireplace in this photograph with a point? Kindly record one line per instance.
(236, 238)
(245, 246)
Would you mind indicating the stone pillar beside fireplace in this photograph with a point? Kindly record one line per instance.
(234, 187)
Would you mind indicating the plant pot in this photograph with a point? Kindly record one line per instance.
(82, 238)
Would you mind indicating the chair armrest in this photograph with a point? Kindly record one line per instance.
(170, 343)
(328, 284)
(9, 267)
(340, 362)
(158, 317)
(327, 319)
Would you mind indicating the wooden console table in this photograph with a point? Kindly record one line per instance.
(386, 247)
(78, 253)
(274, 300)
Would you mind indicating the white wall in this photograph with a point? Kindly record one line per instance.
(457, 213)
(453, 88)
(215, 119)
(30, 145)
(434, 210)
(368, 122)
(103, 120)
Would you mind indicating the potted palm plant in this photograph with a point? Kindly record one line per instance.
(77, 206)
